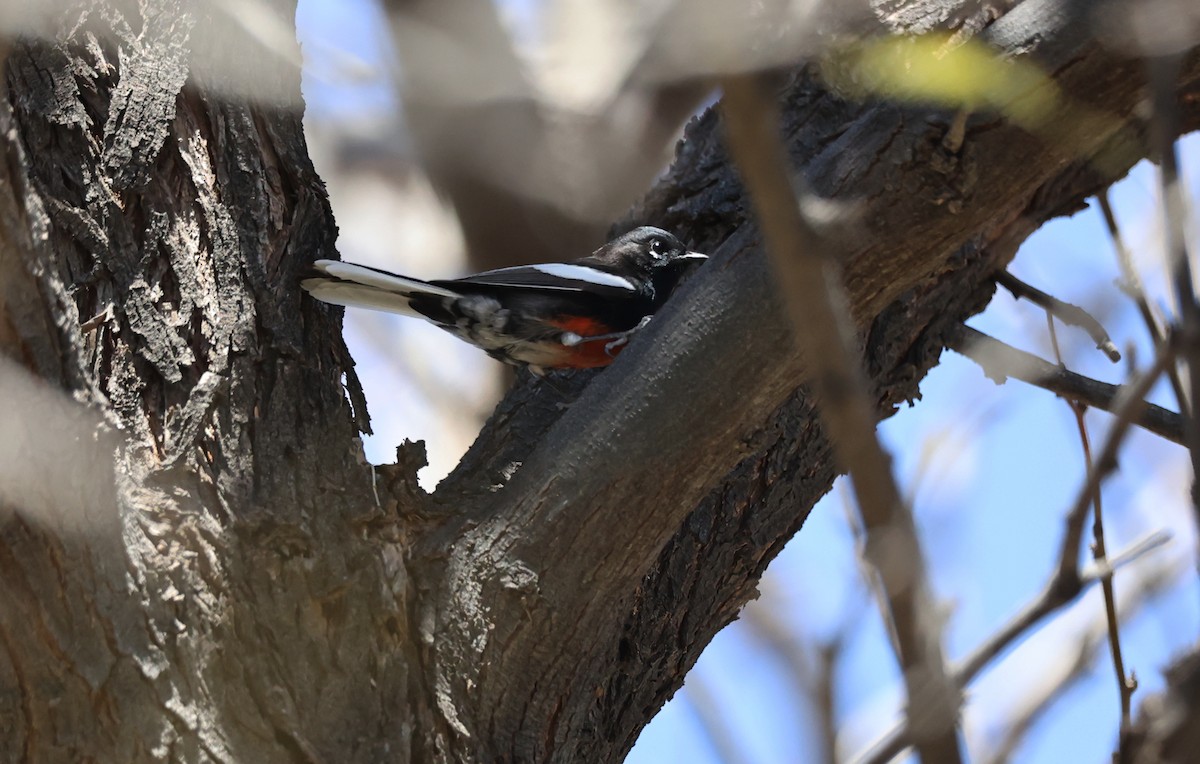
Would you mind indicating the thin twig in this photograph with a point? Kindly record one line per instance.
(1046, 692)
(1063, 311)
(1137, 595)
(1100, 555)
(1125, 684)
(825, 699)
(824, 331)
(1098, 570)
(1000, 361)
(1058, 358)
(1066, 582)
(1051, 599)
(1131, 284)
(1128, 408)
(1164, 73)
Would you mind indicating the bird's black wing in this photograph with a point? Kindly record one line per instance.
(564, 278)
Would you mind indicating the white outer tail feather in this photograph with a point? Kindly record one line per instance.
(357, 286)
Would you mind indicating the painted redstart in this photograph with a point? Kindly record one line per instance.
(574, 315)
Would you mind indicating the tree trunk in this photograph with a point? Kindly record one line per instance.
(197, 564)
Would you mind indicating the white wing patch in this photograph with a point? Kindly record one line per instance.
(585, 274)
(561, 277)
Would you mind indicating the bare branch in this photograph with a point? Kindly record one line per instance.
(824, 333)
(1000, 361)
(1131, 284)
(1100, 569)
(1066, 582)
(1052, 598)
(1125, 687)
(1164, 73)
(1063, 311)
(1128, 408)
(506, 152)
(56, 461)
(1046, 692)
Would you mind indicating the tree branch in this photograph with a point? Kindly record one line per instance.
(647, 487)
(1131, 284)
(579, 561)
(513, 162)
(1125, 685)
(1053, 598)
(1063, 311)
(1137, 594)
(803, 260)
(1164, 72)
(1000, 361)
(1128, 409)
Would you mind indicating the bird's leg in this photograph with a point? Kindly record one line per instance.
(620, 338)
(615, 339)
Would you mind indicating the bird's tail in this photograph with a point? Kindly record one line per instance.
(359, 286)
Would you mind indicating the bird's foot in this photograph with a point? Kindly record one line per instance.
(612, 341)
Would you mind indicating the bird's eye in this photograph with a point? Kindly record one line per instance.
(656, 249)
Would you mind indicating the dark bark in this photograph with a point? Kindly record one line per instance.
(224, 585)
(939, 226)
(191, 608)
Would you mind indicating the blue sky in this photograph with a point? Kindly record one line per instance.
(1001, 464)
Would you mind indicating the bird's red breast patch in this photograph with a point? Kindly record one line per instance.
(586, 355)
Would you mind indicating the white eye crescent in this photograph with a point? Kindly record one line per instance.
(656, 247)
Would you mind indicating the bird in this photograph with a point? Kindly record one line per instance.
(548, 316)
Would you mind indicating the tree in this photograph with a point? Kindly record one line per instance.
(198, 565)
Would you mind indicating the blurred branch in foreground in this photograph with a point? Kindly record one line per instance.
(1132, 285)
(530, 178)
(1052, 599)
(815, 300)
(1075, 659)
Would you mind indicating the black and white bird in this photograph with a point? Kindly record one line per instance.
(571, 315)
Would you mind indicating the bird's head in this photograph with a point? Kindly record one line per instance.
(651, 250)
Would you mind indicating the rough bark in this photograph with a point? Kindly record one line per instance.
(219, 577)
(193, 608)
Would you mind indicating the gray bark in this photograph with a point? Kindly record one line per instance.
(217, 576)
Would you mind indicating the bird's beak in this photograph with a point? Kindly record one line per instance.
(694, 256)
